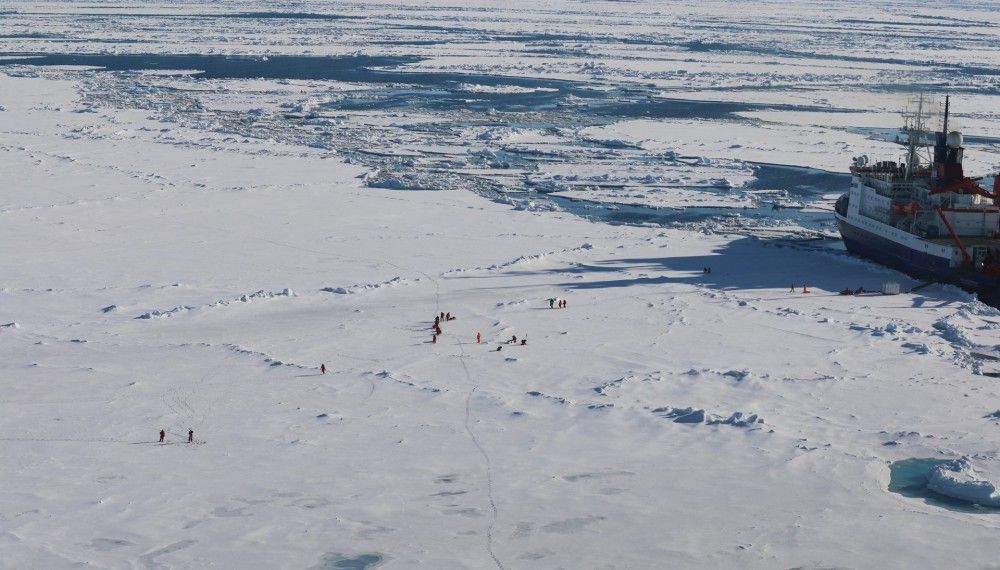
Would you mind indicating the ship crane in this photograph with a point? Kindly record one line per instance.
(970, 186)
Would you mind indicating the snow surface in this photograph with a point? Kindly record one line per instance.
(668, 417)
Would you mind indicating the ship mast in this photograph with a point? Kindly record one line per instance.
(916, 130)
(914, 133)
(947, 102)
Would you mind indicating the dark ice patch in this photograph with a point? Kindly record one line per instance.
(108, 544)
(337, 561)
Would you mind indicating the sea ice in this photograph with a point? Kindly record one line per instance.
(961, 479)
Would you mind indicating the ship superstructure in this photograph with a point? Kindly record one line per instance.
(924, 216)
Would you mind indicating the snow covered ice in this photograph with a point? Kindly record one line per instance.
(203, 203)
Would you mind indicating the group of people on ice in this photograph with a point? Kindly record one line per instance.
(513, 340)
(163, 436)
(445, 317)
(438, 319)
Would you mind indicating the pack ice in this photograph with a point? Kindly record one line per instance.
(243, 219)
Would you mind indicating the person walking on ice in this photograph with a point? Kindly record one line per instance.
(479, 338)
(322, 368)
(163, 434)
(190, 435)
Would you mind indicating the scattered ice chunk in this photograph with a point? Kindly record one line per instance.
(952, 333)
(918, 347)
(158, 314)
(738, 419)
(245, 298)
(691, 415)
(684, 415)
(738, 375)
(960, 479)
(504, 89)
(557, 399)
(255, 295)
(394, 282)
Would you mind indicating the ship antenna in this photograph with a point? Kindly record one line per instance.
(914, 128)
(946, 104)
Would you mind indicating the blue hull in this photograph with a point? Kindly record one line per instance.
(917, 264)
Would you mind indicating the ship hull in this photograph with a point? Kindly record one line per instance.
(915, 263)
